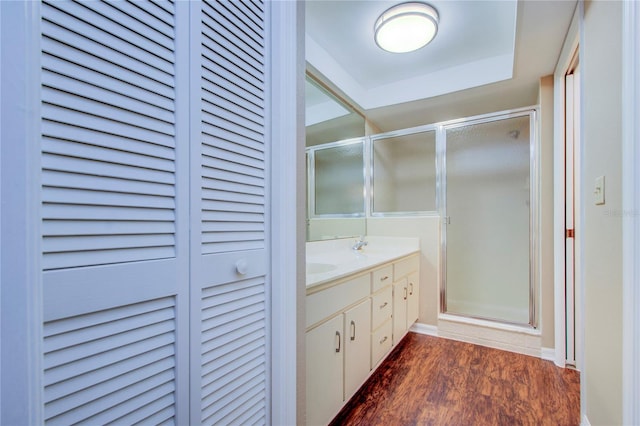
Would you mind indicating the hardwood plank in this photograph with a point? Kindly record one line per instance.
(433, 381)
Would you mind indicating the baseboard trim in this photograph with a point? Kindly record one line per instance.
(585, 421)
(420, 328)
(548, 354)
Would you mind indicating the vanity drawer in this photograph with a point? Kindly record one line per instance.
(380, 343)
(405, 267)
(382, 307)
(327, 302)
(381, 277)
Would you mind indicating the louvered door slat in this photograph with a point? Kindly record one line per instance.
(115, 114)
(93, 393)
(54, 49)
(212, 133)
(126, 27)
(93, 382)
(235, 398)
(213, 86)
(136, 11)
(109, 32)
(96, 227)
(96, 167)
(69, 180)
(252, 119)
(93, 93)
(214, 196)
(227, 71)
(122, 143)
(107, 82)
(81, 150)
(252, 11)
(230, 217)
(226, 364)
(234, 187)
(234, 18)
(227, 164)
(238, 48)
(90, 47)
(97, 198)
(117, 215)
(162, 9)
(55, 115)
(144, 393)
(238, 120)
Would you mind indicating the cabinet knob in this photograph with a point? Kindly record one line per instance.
(384, 305)
(353, 330)
(339, 341)
(384, 339)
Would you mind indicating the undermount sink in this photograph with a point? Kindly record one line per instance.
(319, 268)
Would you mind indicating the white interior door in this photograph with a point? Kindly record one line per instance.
(114, 213)
(230, 285)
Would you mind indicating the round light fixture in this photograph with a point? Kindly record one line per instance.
(406, 27)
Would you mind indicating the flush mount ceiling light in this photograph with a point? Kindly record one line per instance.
(406, 27)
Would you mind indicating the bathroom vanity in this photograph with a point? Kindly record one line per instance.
(359, 304)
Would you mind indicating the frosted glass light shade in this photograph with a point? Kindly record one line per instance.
(406, 27)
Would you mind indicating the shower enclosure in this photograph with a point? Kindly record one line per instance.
(488, 207)
(477, 176)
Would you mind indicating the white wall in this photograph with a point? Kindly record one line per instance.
(545, 126)
(602, 156)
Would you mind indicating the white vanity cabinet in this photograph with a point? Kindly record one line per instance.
(357, 343)
(405, 295)
(350, 329)
(325, 367)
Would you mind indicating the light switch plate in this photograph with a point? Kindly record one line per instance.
(598, 191)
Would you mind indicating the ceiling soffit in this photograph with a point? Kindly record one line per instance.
(474, 47)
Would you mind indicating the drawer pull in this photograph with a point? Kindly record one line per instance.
(386, 277)
(405, 293)
(384, 305)
(411, 289)
(384, 339)
(339, 340)
(353, 330)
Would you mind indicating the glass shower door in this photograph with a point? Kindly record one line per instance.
(487, 226)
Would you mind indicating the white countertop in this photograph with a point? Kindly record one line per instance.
(330, 260)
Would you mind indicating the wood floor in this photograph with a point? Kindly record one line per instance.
(434, 381)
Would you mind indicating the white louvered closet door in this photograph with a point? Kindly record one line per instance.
(115, 212)
(230, 296)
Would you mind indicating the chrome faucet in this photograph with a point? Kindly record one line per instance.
(360, 243)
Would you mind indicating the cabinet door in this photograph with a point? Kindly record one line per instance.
(325, 349)
(412, 299)
(357, 322)
(400, 293)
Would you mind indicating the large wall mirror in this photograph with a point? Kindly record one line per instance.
(335, 203)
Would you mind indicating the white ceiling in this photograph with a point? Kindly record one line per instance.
(487, 56)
